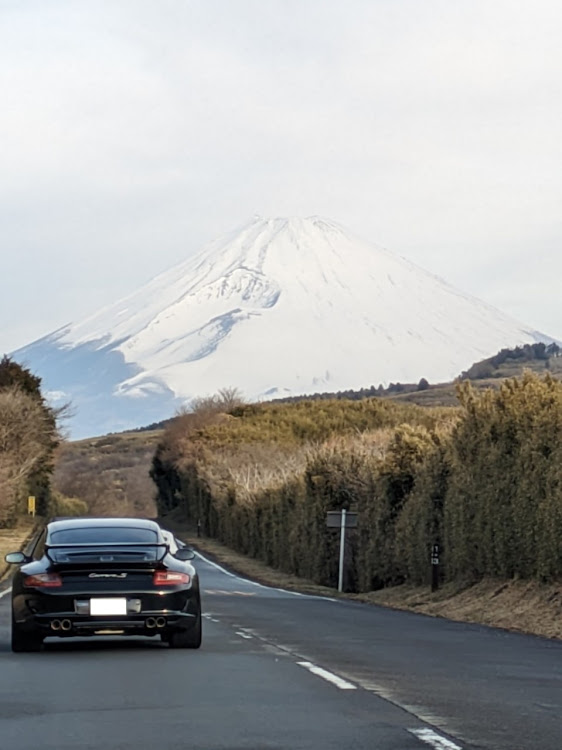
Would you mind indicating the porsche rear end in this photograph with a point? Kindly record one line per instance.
(100, 590)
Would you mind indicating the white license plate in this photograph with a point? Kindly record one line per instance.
(108, 606)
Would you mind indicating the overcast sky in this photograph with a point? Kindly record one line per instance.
(134, 131)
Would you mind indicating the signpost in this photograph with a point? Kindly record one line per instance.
(342, 520)
(31, 505)
(435, 567)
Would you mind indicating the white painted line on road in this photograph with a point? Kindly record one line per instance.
(328, 676)
(435, 740)
(261, 585)
(244, 593)
(244, 635)
(364, 680)
(210, 617)
(216, 565)
(5, 593)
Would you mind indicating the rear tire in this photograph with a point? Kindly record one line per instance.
(187, 638)
(23, 642)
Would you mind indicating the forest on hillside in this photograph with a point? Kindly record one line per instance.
(483, 481)
(521, 356)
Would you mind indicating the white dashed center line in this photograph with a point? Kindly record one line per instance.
(210, 617)
(435, 740)
(328, 676)
(429, 736)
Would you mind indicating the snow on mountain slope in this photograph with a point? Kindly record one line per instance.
(293, 304)
(286, 306)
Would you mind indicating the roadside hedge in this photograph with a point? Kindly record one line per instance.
(483, 481)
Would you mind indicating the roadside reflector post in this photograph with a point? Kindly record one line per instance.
(342, 550)
(342, 520)
(434, 567)
(31, 505)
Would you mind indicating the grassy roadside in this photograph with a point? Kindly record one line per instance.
(521, 606)
(13, 540)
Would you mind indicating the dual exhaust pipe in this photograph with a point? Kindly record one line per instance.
(155, 622)
(61, 625)
(151, 623)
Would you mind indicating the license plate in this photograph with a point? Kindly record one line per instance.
(108, 606)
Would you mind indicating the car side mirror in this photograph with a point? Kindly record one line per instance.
(16, 558)
(184, 554)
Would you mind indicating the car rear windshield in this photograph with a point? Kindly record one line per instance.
(104, 535)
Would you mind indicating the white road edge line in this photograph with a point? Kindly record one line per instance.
(425, 735)
(261, 585)
(328, 676)
(219, 567)
(435, 740)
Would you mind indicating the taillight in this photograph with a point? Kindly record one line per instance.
(43, 581)
(169, 578)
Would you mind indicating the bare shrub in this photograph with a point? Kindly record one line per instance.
(109, 475)
(25, 441)
(225, 401)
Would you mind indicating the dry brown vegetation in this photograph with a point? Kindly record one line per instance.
(26, 433)
(482, 481)
(524, 606)
(23, 433)
(262, 478)
(29, 435)
(109, 474)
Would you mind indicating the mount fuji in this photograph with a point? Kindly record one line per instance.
(282, 306)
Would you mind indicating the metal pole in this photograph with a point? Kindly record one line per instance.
(342, 550)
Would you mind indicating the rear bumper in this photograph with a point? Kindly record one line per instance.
(60, 615)
(147, 624)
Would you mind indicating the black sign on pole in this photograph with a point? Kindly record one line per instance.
(434, 567)
(333, 519)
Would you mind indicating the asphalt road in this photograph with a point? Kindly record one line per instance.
(280, 671)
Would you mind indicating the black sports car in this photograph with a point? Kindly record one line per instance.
(104, 576)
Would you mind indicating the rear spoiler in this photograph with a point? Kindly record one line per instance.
(77, 545)
(105, 545)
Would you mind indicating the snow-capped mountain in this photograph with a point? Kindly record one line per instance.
(279, 307)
